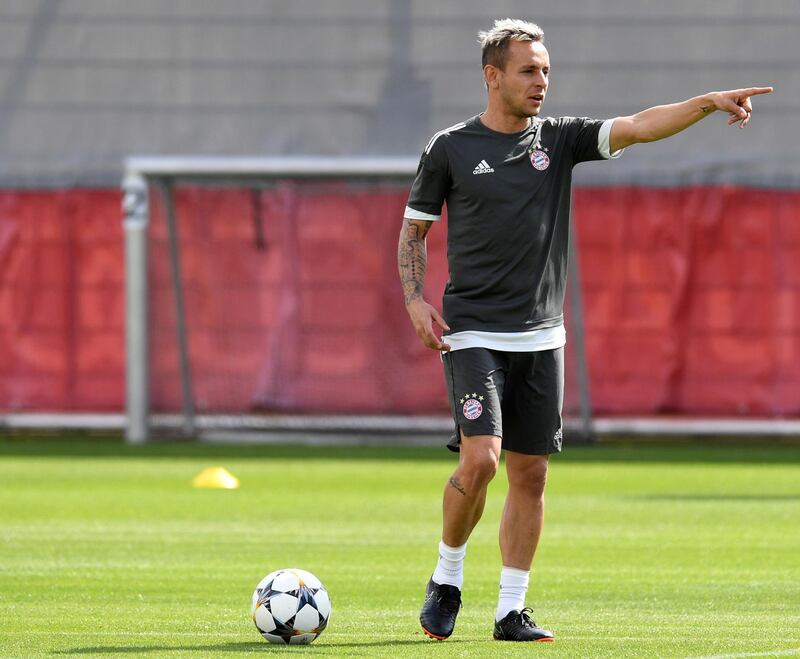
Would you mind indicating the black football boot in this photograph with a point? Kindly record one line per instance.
(518, 626)
(439, 610)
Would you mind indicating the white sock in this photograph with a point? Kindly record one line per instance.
(450, 568)
(513, 586)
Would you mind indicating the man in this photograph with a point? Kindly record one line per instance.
(506, 175)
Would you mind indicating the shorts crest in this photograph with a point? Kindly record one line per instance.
(472, 409)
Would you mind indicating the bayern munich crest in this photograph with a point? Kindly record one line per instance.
(472, 409)
(540, 160)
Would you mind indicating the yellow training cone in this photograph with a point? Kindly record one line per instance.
(216, 477)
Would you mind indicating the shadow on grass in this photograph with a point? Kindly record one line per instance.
(255, 646)
(646, 449)
(85, 445)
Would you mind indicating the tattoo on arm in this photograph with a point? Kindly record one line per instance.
(412, 258)
(458, 486)
(705, 109)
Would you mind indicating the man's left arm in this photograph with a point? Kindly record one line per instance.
(662, 121)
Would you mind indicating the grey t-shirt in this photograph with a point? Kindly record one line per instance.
(508, 197)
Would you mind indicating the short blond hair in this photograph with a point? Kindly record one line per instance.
(494, 42)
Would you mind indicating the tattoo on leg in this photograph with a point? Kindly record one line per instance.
(458, 486)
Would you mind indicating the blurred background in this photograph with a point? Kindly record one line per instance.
(689, 249)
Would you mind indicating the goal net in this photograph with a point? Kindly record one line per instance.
(263, 296)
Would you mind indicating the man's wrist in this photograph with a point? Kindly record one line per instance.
(706, 104)
(413, 300)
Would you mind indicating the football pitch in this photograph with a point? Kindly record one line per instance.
(686, 549)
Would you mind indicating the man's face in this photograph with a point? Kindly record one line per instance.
(522, 85)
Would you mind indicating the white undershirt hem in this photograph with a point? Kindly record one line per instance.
(604, 141)
(549, 338)
(412, 214)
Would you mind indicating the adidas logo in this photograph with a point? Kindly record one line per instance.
(483, 168)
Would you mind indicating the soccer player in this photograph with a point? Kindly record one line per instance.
(506, 175)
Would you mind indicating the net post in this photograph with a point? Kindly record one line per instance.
(578, 341)
(165, 188)
(135, 222)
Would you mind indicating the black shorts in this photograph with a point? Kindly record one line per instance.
(514, 395)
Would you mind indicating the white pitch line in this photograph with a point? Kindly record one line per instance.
(741, 655)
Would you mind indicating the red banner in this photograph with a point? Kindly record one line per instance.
(692, 301)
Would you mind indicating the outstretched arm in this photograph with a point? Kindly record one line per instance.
(412, 261)
(666, 120)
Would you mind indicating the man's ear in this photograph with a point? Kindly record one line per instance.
(490, 75)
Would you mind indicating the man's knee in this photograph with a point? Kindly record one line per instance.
(528, 472)
(480, 457)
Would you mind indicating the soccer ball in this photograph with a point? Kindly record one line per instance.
(290, 606)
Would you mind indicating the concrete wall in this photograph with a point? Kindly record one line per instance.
(84, 83)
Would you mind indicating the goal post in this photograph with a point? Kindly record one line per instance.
(151, 187)
(135, 209)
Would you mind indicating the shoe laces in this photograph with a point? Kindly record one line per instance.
(525, 618)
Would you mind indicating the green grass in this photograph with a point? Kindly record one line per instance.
(684, 550)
